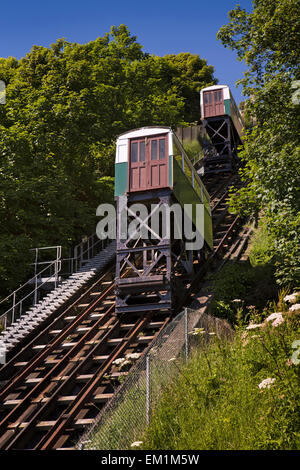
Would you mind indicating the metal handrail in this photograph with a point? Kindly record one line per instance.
(27, 282)
(75, 263)
(34, 291)
(189, 163)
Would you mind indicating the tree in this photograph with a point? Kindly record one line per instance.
(190, 73)
(65, 105)
(268, 40)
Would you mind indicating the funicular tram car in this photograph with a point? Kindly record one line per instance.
(222, 126)
(151, 167)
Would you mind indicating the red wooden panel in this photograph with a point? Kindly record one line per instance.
(137, 165)
(148, 163)
(213, 103)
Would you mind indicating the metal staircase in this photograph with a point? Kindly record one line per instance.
(34, 316)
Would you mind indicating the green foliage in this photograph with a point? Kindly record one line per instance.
(253, 286)
(189, 74)
(267, 39)
(193, 150)
(65, 105)
(215, 403)
(261, 246)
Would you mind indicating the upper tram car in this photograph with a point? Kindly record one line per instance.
(152, 168)
(222, 126)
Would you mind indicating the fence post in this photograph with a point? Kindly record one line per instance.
(186, 333)
(147, 389)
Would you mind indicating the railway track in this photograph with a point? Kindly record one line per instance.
(57, 383)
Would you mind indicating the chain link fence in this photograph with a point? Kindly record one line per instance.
(125, 417)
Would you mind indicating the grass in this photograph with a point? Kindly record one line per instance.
(216, 403)
(254, 286)
(252, 281)
(126, 419)
(261, 247)
(193, 150)
(123, 424)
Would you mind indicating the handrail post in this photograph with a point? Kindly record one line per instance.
(75, 257)
(55, 273)
(81, 254)
(14, 305)
(35, 291)
(36, 260)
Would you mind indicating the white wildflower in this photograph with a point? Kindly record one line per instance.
(294, 308)
(125, 363)
(119, 361)
(136, 444)
(197, 331)
(212, 333)
(133, 356)
(266, 383)
(278, 321)
(292, 298)
(238, 301)
(276, 318)
(273, 316)
(253, 326)
(172, 359)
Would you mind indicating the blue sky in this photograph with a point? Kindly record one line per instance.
(162, 27)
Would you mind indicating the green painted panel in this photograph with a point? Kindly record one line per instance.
(185, 194)
(170, 171)
(121, 178)
(227, 105)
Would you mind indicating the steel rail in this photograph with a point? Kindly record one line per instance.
(30, 426)
(56, 320)
(69, 379)
(53, 344)
(225, 183)
(45, 381)
(49, 440)
(41, 356)
(63, 334)
(225, 236)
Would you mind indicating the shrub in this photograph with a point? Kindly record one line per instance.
(233, 396)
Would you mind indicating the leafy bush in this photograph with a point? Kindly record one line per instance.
(234, 396)
(241, 281)
(261, 251)
(193, 149)
(267, 38)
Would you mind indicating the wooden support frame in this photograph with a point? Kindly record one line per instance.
(220, 144)
(151, 283)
